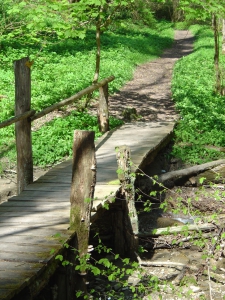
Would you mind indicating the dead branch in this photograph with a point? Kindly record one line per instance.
(177, 229)
(188, 172)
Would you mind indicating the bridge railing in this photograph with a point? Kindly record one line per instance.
(24, 115)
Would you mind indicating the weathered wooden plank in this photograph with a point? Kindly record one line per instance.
(53, 213)
(48, 186)
(47, 195)
(41, 257)
(17, 266)
(54, 179)
(51, 206)
(35, 220)
(22, 204)
(28, 248)
(46, 231)
(10, 241)
(6, 293)
(51, 232)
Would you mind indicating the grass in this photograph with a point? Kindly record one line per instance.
(61, 69)
(202, 111)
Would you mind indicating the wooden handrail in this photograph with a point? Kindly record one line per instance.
(77, 96)
(20, 117)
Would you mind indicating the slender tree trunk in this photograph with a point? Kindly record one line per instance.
(223, 39)
(98, 53)
(216, 55)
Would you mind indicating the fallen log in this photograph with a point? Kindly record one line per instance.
(211, 223)
(177, 229)
(180, 177)
(188, 172)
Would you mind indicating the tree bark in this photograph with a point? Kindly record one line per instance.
(189, 171)
(82, 192)
(103, 111)
(216, 55)
(147, 184)
(23, 127)
(129, 220)
(223, 37)
(98, 52)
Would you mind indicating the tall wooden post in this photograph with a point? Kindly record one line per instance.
(103, 111)
(128, 221)
(23, 127)
(82, 192)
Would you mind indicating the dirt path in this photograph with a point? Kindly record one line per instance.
(149, 92)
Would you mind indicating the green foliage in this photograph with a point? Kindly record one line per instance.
(115, 272)
(202, 112)
(60, 132)
(63, 68)
(199, 10)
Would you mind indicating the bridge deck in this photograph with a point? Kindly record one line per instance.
(30, 221)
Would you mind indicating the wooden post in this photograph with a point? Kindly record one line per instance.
(129, 220)
(82, 191)
(103, 111)
(23, 127)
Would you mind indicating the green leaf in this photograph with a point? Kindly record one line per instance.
(95, 271)
(59, 257)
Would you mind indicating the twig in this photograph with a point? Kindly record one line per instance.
(172, 264)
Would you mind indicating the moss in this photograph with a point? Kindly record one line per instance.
(114, 182)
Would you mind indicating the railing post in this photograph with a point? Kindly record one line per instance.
(23, 127)
(82, 192)
(127, 224)
(103, 111)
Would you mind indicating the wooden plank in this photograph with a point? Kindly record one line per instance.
(34, 203)
(47, 187)
(6, 293)
(46, 231)
(45, 207)
(54, 179)
(63, 212)
(17, 266)
(28, 248)
(40, 257)
(30, 239)
(35, 220)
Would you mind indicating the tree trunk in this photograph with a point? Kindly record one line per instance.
(223, 38)
(98, 53)
(216, 55)
(23, 127)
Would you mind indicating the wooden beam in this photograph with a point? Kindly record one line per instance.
(77, 96)
(82, 192)
(23, 127)
(103, 111)
(127, 224)
(20, 117)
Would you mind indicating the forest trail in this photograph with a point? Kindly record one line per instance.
(149, 92)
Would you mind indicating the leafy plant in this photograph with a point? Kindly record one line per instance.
(202, 112)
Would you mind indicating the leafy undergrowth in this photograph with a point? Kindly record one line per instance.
(202, 111)
(61, 69)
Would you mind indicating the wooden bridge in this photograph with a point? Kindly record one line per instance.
(37, 220)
